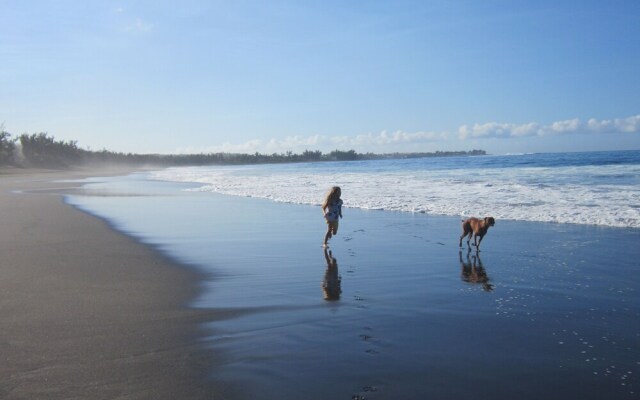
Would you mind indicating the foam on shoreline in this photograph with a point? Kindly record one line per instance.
(577, 195)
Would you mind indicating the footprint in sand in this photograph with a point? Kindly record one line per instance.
(365, 389)
(368, 338)
(365, 337)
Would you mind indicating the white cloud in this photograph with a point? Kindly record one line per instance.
(505, 130)
(397, 137)
(321, 142)
(401, 141)
(568, 126)
(628, 125)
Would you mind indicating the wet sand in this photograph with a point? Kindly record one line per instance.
(88, 313)
(396, 309)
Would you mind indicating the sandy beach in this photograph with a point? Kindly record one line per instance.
(88, 313)
(203, 295)
(394, 308)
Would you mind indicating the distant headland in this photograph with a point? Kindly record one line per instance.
(44, 151)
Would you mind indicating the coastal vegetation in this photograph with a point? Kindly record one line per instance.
(44, 151)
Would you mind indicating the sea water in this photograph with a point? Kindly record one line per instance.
(394, 308)
(598, 188)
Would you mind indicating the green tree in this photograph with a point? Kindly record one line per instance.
(43, 150)
(7, 145)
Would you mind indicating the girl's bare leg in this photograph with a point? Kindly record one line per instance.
(327, 235)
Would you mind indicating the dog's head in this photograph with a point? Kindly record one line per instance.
(489, 221)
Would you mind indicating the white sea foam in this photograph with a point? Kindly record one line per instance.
(581, 195)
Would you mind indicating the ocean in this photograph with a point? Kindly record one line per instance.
(550, 308)
(598, 188)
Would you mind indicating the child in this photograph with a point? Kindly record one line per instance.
(332, 210)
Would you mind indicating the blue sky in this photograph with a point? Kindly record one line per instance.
(273, 76)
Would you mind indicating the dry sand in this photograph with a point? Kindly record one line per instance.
(88, 313)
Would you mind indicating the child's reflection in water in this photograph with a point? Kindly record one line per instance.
(331, 283)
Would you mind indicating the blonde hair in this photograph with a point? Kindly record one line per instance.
(332, 195)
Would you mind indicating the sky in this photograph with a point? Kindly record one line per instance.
(200, 76)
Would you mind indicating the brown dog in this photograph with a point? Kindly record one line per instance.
(477, 228)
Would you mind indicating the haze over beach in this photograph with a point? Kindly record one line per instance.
(162, 168)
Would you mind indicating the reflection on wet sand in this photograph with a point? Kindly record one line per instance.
(473, 271)
(331, 284)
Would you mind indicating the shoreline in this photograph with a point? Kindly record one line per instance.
(219, 302)
(538, 298)
(87, 311)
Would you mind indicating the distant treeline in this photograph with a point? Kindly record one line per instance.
(44, 151)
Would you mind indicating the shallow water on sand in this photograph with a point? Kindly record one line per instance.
(394, 309)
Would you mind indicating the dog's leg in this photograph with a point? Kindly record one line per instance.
(462, 237)
(465, 230)
(480, 241)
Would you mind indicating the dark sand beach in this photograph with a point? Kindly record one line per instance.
(88, 313)
(394, 309)
(255, 308)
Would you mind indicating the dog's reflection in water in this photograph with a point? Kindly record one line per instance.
(331, 284)
(473, 271)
